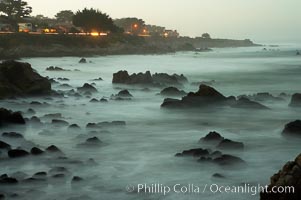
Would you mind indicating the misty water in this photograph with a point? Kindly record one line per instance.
(143, 150)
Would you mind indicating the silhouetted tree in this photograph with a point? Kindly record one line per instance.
(92, 20)
(15, 9)
(64, 16)
(206, 36)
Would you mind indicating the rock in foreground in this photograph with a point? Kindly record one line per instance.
(19, 79)
(289, 175)
(292, 128)
(10, 117)
(296, 100)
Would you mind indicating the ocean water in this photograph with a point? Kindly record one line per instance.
(143, 151)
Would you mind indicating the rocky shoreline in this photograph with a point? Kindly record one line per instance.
(22, 45)
(215, 149)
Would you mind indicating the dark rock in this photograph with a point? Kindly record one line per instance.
(98, 79)
(76, 179)
(74, 126)
(212, 136)
(91, 125)
(194, 152)
(296, 100)
(103, 100)
(229, 144)
(53, 149)
(106, 124)
(4, 145)
(10, 117)
(12, 135)
(265, 96)
(59, 122)
(82, 60)
(248, 104)
(122, 77)
(217, 175)
(94, 100)
(53, 115)
(36, 103)
(63, 79)
(205, 96)
(65, 85)
(87, 88)
(33, 180)
(58, 176)
(292, 128)
(36, 151)
(166, 79)
(172, 103)
(40, 175)
(16, 153)
(52, 81)
(172, 91)
(228, 160)
(124, 93)
(52, 68)
(4, 179)
(93, 140)
(19, 79)
(289, 175)
(205, 159)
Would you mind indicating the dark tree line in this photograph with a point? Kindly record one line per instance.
(91, 20)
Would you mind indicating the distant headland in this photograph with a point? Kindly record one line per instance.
(89, 32)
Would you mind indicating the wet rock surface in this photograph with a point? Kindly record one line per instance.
(230, 144)
(122, 77)
(292, 128)
(87, 88)
(83, 60)
(205, 96)
(10, 117)
(19, 79)
(52, 68)
(295, 100)
(212, 137)
(248, 104)
(172, 91)
(16, 153)
(289, 175)
(217, 157)
(208, 97)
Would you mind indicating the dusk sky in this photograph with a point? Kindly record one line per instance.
(259, 20)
